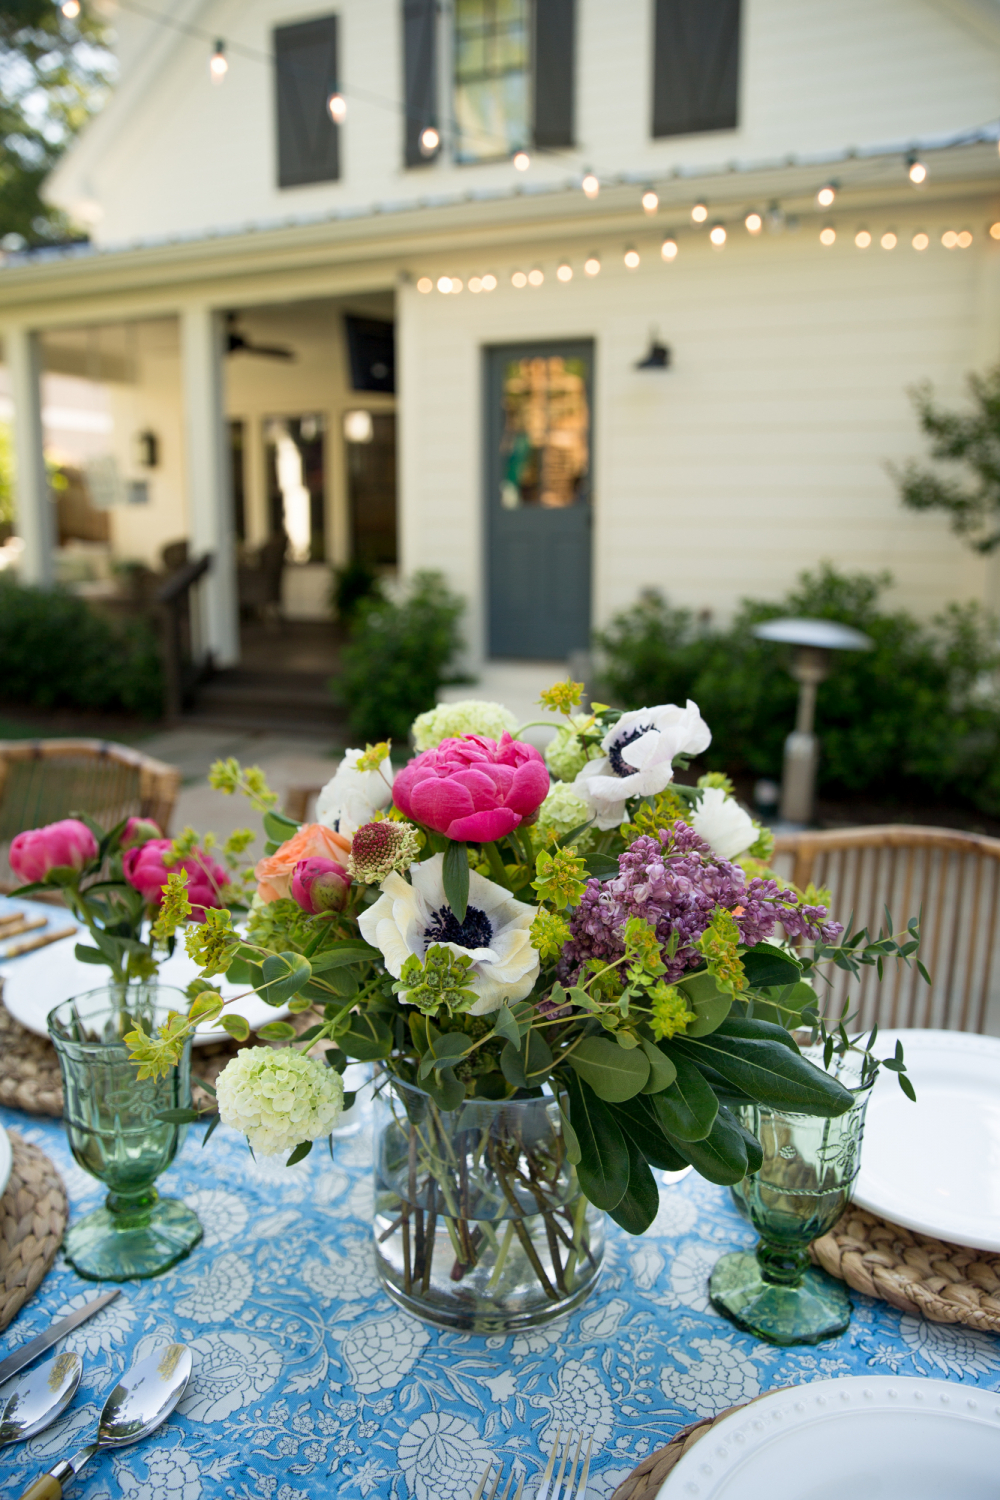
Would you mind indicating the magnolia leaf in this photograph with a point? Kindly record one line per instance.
(603, 1168)
(284, 975)
(770, 1072)
(601, 866)
(758, 1028)
(722, 1156)
(779, 1000)
(301, 1151)
(637, 1119)
(178, 1116)
(238, 1027)
(455, 874)
(276, 1031)
(711, 1005)
(765, 965)
(638, 1206)
(612, 1072)
(662, 1071)
(89, 955)
(687, 1108)
(342, 954)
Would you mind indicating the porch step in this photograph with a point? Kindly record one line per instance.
(290, 701)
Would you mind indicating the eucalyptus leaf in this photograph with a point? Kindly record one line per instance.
(343, 954)
(504, 1025)
(603, 1168)
(242, 971)
(366, 1039)
(205, 1007)
(573, 1153)
(284, 975)
(612, 1072)
(445, 1052)
(445, 1089)
(279, 828)
(512, 1066)
(455, 875)
(686, 1109)
(276, 1031)
(238, 1027)
(343, 982)
(711, 1005)
(539, 1056)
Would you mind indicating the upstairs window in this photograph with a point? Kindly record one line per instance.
(305, 75)
(492, 78)
(696, 66)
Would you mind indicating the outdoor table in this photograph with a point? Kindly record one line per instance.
(308, 1381)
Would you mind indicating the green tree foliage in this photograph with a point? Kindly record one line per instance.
(962, 440)
(398, 657)
(53, 75)
(917, 715)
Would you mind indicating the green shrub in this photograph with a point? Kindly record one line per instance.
(398, 657)
(56, 652)
(352, 585)
(917, 715)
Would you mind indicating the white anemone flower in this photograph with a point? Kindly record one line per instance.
(638, 758)
(351, 796)
(412, 915)
(723, 823)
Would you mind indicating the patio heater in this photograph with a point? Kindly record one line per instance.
(813, 641)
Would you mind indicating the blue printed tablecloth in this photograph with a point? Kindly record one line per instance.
(308, 1381)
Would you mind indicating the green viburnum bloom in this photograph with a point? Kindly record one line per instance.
(718, 943)
(213, 942)
(670, 1011)
(549, 933)
(561, 877)
(560, 813)
(468, 716)
(566, 754)
(441, 982)
(175, 908)
(278, 1098)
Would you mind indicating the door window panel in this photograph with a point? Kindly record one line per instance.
(545, 447)
(296, 482)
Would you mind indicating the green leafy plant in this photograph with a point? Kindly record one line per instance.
(968, 441)
(353, 584)
(398, 656)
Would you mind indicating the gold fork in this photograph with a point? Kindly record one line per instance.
(486, 1474)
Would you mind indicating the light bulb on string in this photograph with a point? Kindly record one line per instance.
(668, 249)
(650, 201)
(920, 240)
(862, 239)
(717, 234)
(964, 239)
(699, 213)
(337, 106)
(536, 276)
(590, 184)
(753, 223)
(889, 240)
(592, 265)
(489, 282)
(522, 161)
(444, 284)
(826, 195)
(632, 258)
(430, 140)
(475, 284)
(949, 239)
(916, 170)
(827, 235)
(218, 67)
(564, 272)
(519, 280)
(995, 231)
(425, 285)
(70, 9)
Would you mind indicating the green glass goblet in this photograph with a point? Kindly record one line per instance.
(801, 1190)
(115, 1133)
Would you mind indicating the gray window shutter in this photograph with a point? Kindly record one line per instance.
(305, 75)
(420, 76)
(554, 64)
(696, 66)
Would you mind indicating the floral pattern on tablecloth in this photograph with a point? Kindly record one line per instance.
(309, 1382)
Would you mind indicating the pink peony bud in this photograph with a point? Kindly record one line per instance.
(473, 788)
(139, 831)
(320, 885)
(68, 843)
(147, 867)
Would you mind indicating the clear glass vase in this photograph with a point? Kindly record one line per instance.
(801, 1190)
(115, 1135)
(480, 1223)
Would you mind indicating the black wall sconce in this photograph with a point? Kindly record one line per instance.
(657, 356)
(147, 449)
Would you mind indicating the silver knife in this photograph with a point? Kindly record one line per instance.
(52, 1335)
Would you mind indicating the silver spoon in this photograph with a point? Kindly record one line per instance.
(28, 1405)
(143, 1398)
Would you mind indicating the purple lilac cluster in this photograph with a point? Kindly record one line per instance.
(676, 882)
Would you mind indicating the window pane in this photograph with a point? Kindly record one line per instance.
(491, 77)
(545, 446)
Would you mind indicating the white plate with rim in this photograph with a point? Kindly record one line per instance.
(6, 1160)
(877, 1437)
(934, 1166)
(36, 983)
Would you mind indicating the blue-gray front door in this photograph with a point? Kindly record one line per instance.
(538, 497)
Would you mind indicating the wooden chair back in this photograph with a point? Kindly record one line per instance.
(949, 879)
(44, 780)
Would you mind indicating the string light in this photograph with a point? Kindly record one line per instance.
(888, 240)
(717, 234)
(218, 67)
(564, 272)
(522, 160)
(489, 282)
(631, 258)
(826, 195)
(995, 231)
(669, 248)
(964, 239)
(444, 284)
(917, 170)
(650, 201)
(754, 223)
(949, 239)
(519, 280)
(920, 240)
(456, 283)
(430, 140)
(425, 285)
(827, 235)
(536, 276)
(337, 105)
(475, 284)
(862, 239)
(70, 9)
(699, 213)
(590, 185)
(592, 265)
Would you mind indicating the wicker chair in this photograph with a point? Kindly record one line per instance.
(43, 780)
(950, 879)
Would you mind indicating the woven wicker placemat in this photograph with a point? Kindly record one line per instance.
(29, 1070)
(646, 1478)
(33, 1215)
(918, 1274)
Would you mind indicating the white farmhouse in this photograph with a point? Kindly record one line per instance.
(564, 298)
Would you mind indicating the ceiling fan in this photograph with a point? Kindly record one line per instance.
(238, 343)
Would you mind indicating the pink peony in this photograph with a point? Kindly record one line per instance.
(320, 885)
(473, 788)
(68, 843)
(139, 831)
(146, 868)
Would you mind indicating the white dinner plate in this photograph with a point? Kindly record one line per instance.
(934, 1166)
(35, 983)
(6, 1160)
(894, 1439)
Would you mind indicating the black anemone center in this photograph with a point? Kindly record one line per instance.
(615, 753)
(475, 932)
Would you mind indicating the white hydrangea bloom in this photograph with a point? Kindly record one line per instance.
(722, 822)
(561, 812)
(637, 759)
(351, 796)
(278, 1098)
(468, 716)
(565, 754)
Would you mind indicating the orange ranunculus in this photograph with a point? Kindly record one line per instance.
(274, 873)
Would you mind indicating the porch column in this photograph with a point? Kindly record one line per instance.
(210, 501)
(35, 519)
